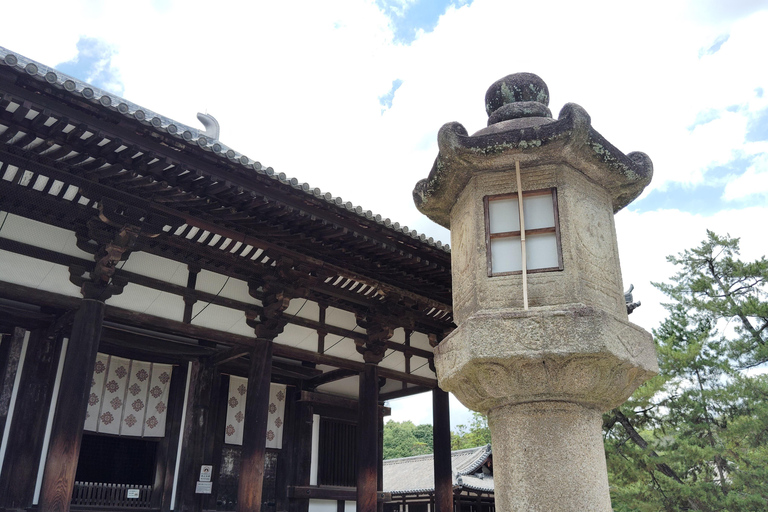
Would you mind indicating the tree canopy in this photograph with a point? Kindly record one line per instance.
(404, 439)
(694, 437)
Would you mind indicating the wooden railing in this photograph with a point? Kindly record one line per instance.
(94, 494)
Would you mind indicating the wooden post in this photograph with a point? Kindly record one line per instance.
(10, 354)
(523, 256)
(72, 402)
(367, 438)
(380, 455)
(25, 440)
(168, 445)
(197, 438)
(251, 481)
(441, 429)
(301, 450)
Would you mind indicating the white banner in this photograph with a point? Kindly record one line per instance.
(128, 397)
(238, 390)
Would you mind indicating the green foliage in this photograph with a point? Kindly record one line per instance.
(694, 437)
(406, 439)
(476, 434)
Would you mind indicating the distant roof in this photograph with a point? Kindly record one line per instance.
(411, 475)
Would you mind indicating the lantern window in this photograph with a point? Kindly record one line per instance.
(504, 236)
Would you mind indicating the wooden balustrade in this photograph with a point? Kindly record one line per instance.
(96, 494)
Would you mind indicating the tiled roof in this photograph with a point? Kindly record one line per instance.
(411, 475)
(162, 124)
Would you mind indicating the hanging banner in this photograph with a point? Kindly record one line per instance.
(238, 390)
(128, 397)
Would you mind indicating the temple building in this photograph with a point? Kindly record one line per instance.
(410, 482)
(184, 329)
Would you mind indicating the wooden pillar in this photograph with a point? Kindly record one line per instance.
(72, 402)
(10, 354)
(380, 455)
(367, 438)
(198, 435)
(27, 430)
(301, 451)
(168, 446)
(255, 428)
(441, 429)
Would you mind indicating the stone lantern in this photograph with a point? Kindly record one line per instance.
(543, 344)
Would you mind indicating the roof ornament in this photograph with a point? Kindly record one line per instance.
(630, 301)
(211, 125)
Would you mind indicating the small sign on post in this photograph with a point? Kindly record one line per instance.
(132, 494)
(203, 487)
(204, 484)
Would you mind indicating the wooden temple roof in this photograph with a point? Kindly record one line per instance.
(68, 148)
(81, 159)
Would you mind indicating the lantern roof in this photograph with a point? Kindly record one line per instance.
(521, 128)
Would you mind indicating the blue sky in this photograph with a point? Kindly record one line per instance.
(348, 95)
(410, 18)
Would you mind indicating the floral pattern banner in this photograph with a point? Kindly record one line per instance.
(128, 397)
(238, 390)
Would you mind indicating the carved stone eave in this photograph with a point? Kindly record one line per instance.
(571, 140)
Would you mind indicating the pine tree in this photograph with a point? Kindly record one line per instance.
(694, 438)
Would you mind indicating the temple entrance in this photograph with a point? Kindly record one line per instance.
(115, 471)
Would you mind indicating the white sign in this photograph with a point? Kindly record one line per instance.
(204, 488)
(205, 473)
(132, 494)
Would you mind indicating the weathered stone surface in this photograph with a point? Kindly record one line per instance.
(515, 88)
(551, 456)
(577, 354)
(542, 354)
(519, 110)
(570, 140)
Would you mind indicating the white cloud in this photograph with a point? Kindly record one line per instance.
(754, 182)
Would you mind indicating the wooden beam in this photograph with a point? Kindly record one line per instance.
(231, 354)
(191, 295)
(294, 370)
(401, 393)
(150, 322)
(335, 401)
(328, 492)
(331, 376)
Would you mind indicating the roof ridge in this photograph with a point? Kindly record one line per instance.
(75, 86)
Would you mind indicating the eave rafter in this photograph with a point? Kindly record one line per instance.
(142, 162)
(312, 272)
